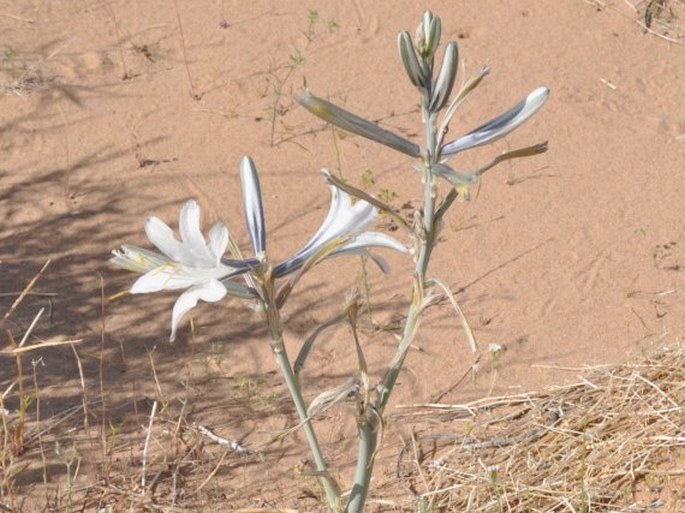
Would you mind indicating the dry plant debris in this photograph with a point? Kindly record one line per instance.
(613, 441)
(665, 14)
(662, 18)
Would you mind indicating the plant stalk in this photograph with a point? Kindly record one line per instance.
(427, 238)
(279, 350)
(367, 428)
(369, 422)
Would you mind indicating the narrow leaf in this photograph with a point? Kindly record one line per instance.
(309, 342)
(331, 397)
(467, 328)
(500, 126)
(353, 123)
(461, 96)
(528, 151)
(455, 178)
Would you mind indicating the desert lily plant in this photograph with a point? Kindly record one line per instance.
(434, 163)
(198, 265)
(200, 268)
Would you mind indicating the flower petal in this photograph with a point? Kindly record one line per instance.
(339, 201)
(139, 260)
(191, 236)
(344, 221)
(164, 277)
(354, 219)
(211, 291)
(333, 211)
(344, 218)
(252, 205)
(218, 241)
(370, 240)
(501, 125)
(159, 233)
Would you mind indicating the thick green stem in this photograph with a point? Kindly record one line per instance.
(330, 488)
(427, 238)
(278, 347)
(428, 185)
(369, 423)
(368, 442)
(410, 327)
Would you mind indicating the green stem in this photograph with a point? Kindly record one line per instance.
(368, 442)
(369, 422)
(428, 185)
(410, 327)
(329, 486)
(427, 238)
(278, 347)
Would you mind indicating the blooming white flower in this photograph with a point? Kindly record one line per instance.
(197, 265)
(343, 229)
(191, 264)
(346, 224)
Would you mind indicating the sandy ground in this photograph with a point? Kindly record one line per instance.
(112, 111)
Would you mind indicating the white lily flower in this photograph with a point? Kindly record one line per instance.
(347, 223)
(193, 263)
(197, 265)
(501, 125)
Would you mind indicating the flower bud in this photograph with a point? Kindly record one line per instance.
(445, 81)
(409, 60)
(428, 35)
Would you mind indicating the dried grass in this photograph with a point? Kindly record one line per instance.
(662, 18)
(614, 441)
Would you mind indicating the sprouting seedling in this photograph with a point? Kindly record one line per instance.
(367, 178)
(312, 18)
(8, 53)
(387, 195)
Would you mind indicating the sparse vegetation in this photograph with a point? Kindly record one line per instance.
(114, 419)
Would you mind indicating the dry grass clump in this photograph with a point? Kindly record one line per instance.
(665, 15)
(662, 18)
(614, 441)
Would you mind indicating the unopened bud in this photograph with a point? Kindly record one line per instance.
(445, 82)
